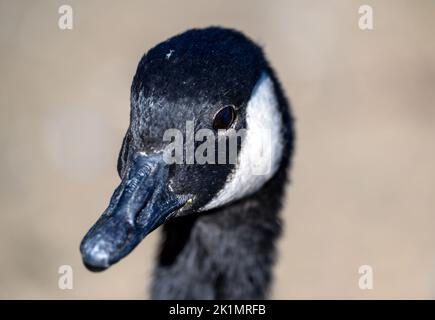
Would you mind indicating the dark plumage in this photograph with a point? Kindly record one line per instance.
(223, 253)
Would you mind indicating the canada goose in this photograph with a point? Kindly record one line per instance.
(220, 221)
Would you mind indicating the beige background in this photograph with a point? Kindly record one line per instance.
(363, 175)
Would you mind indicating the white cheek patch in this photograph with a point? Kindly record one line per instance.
(262, 148)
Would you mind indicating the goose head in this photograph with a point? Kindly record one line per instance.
(190, 95)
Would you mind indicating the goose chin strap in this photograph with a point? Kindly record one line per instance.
(141, 203)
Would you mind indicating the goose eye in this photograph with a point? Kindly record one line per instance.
(224, 118)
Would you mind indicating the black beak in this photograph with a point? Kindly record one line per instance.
(141, 203)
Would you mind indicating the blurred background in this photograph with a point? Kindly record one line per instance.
(363, 179)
